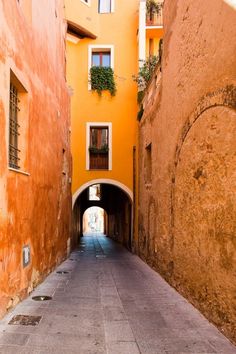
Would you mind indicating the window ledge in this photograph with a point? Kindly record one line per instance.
(99, 169)
(18, 171)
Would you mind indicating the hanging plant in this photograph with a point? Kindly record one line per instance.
(101, 79)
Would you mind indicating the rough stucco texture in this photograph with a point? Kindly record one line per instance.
(35, 209)
(188, 204)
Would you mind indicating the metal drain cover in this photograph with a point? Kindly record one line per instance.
(100, 256)
(24, 320)
(41, 298)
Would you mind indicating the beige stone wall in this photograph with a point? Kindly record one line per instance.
(187, 188)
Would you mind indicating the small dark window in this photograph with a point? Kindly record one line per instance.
(95, 192)
(14, 128)
(99, 148)
(104, 6)
(148, 164)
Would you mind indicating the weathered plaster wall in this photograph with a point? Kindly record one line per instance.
(34, 208)
(187, 202)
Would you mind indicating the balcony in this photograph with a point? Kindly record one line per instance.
(154, 14)
(155, 20)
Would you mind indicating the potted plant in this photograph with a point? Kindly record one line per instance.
(102, 150)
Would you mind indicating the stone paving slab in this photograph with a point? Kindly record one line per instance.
(111, 305)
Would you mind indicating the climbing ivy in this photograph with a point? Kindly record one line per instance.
(145, 72)
(102, 78)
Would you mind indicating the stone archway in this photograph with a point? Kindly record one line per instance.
(102, 181)
(116, 200)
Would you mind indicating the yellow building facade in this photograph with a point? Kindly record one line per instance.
(104, 127)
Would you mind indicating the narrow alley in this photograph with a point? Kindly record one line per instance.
(107, 300)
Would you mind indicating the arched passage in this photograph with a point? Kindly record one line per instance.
(94, 221)
(115, 199)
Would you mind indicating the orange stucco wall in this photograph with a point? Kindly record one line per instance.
(118, 29)
(34, 207)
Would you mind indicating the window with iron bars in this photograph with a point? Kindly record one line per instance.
(14, 126)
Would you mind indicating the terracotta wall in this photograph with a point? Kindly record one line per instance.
(187, 205)
(35, 203)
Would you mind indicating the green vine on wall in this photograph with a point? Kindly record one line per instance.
(101, 79)
(145, 72)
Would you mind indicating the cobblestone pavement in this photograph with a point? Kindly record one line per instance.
(109, 302)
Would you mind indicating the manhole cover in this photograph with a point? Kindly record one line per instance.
(100, 256)
(62, 272)
(24, 320)
(41, 298)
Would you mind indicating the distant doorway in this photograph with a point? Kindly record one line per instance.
(94, 221)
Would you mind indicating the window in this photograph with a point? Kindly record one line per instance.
(105, 6)
(100, 55)
(99, 146)
(148, 164)
(95, 192)
(14, 160)
(18, 125)
(102, 58)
